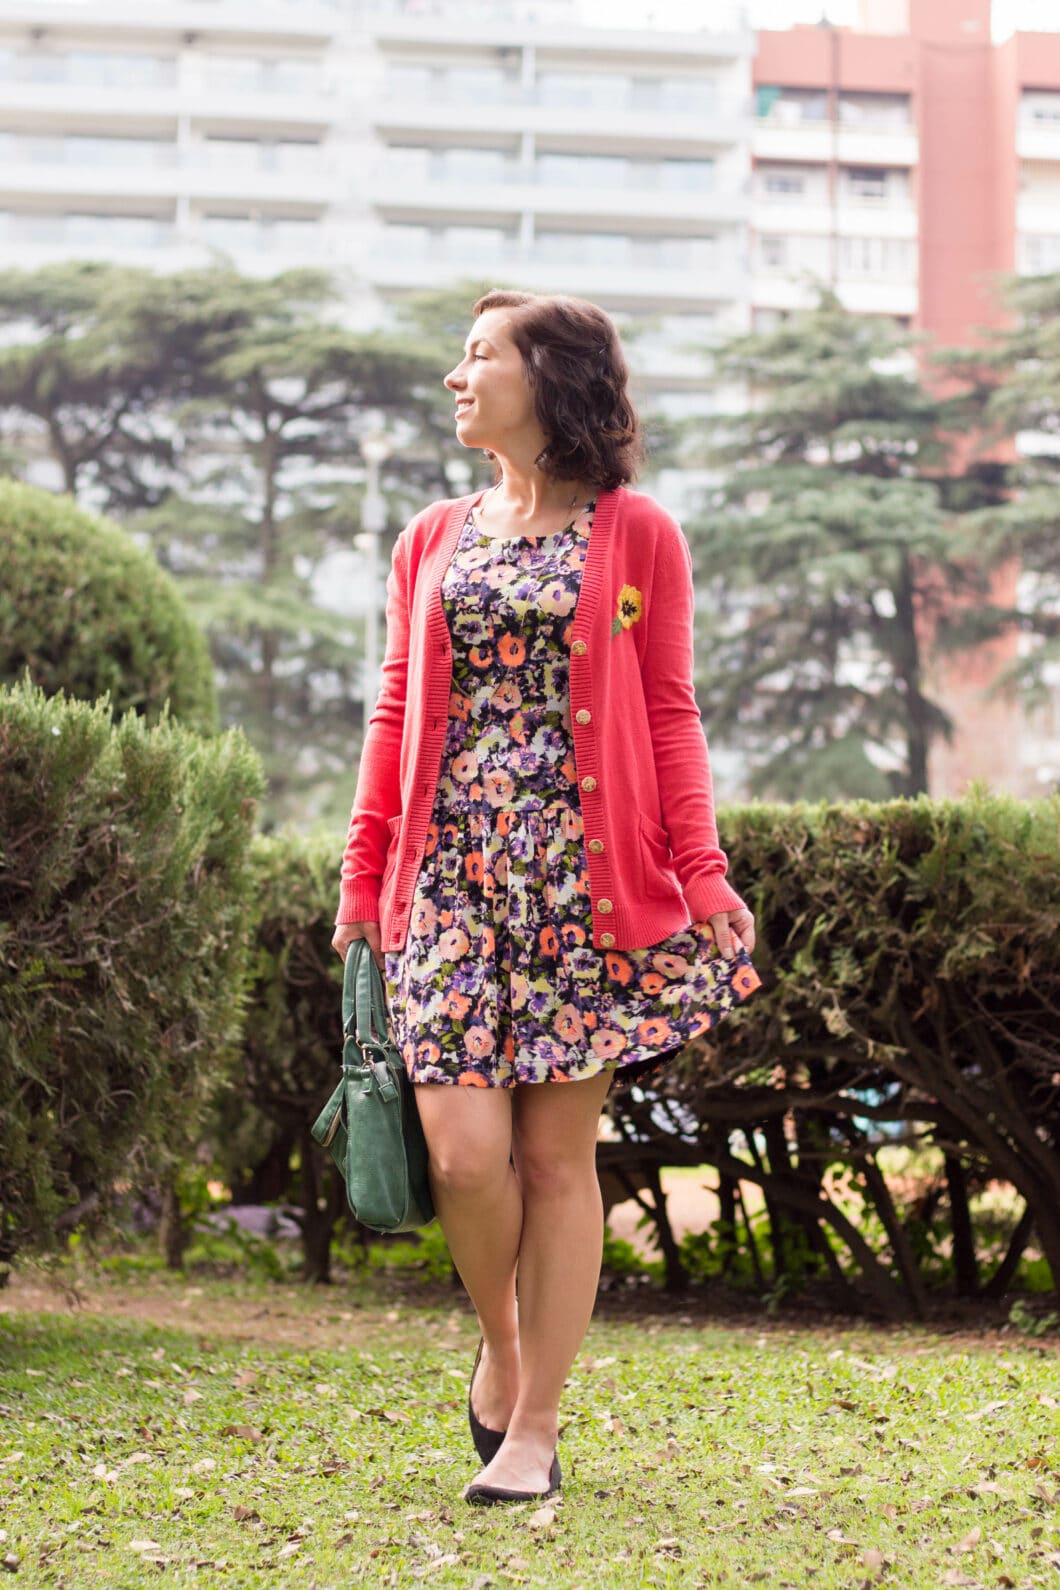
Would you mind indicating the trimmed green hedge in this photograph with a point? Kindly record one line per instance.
(260, 1139)
(911, 971)
(911, 963)
(124, 898)
(86, 611)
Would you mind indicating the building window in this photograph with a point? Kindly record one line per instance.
(582, 171)
(1040, 256)
(409, 81)
(789, 106)
(95, 69)
(584, 248)
(686, 175)
(783, 184)
(773, 252)
(479, 84)
(573, 89)
(875, 110)
(1040, 106)
(469, 165)
(867, 182)
(477, 244)
(679, 95)
(876, 256)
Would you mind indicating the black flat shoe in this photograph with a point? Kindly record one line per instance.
(487, 1441)
(486, 1494)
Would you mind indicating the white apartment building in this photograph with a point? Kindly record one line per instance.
(405, 145)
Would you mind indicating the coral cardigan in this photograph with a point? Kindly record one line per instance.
(640, 754)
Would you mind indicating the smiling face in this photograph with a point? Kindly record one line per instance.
(494, 403)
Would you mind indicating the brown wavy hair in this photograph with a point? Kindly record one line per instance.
(579, 378)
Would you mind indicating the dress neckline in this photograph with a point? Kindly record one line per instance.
(522, 535)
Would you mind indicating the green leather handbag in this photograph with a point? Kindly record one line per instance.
(371, 1124)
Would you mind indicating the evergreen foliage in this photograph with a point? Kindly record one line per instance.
(124, 899)
(1012, 388)
(259, 1130)
(825, 554)
(87, 611)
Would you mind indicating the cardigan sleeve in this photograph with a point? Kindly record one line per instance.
(378, 795)
(682, 760)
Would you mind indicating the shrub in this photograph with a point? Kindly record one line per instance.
(259, 1135)
(87, 612)
(124, 898)
(911, 983)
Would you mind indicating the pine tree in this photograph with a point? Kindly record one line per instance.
(824, 558)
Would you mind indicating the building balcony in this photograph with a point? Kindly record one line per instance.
(1038, 214)
(76, 182)
(397, 196)
(865, 295)
(1038, 139)
(31, 240)
(817, 142)
(51, 105)
(537, 267)
(595, 127)
(400, 22)
(851, 218)
(131, 19)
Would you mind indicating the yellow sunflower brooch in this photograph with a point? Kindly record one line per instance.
(630, 607)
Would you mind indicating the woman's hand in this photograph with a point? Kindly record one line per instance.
(346, 932)
(733, 929)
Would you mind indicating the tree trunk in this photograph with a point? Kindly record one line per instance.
(907, 668)
(317, 1222)
(1001, 1279)
(965, 1267)
(676, 1274)
(172, 1228)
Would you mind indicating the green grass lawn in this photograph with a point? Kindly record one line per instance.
(272, 1436)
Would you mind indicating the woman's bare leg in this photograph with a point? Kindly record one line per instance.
(480, 1210)
(555, 1127)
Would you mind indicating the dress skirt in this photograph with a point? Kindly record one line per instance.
(499, 981)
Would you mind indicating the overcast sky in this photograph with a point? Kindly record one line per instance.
(1034, 16)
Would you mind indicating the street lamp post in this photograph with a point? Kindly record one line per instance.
(375, 450)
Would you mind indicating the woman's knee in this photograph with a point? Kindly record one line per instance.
(464, 1173)
(544, 1173)
(469, 1140)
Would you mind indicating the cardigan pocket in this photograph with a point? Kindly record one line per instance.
(659, 880)
(393, 826)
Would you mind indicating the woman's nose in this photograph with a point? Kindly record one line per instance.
(454, 379)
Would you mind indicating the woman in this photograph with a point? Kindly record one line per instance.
(532, 853)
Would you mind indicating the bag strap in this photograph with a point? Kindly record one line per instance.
(364, 1014)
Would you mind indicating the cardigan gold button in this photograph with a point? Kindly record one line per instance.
(584, 716)
(607, 940)
(579, 648)
(596, 845)
(589, 783)
(604, 905)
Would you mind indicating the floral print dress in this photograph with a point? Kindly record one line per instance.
(499, 981)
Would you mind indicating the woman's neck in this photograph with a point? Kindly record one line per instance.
(528, 493)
